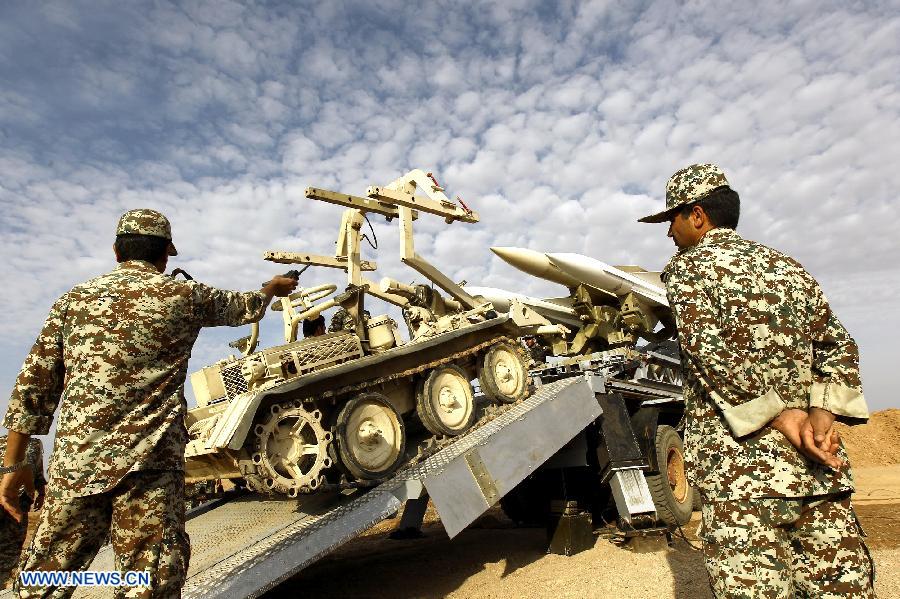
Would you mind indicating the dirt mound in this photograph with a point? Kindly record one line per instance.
(876, 443)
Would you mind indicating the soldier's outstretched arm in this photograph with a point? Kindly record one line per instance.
(218, 307)
(735, 383)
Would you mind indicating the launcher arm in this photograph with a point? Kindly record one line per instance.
(409, 257)
(402, 192)
(397, 199)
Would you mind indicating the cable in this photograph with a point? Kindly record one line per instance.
(375, 237)
(179, 271)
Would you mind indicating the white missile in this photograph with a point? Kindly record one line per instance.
(556, 310)
(601, 275)
(537, 264)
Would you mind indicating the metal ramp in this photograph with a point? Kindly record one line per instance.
(245, 547)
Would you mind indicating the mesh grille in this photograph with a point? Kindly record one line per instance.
(302, 358)
(327, 352)
(234, 382)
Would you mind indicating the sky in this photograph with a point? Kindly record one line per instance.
(559, 122)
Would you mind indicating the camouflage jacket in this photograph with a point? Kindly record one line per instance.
(342, 321)
(114, 351)
(757, 336)
(34, 455)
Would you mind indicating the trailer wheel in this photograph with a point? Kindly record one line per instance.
(503, 374)
(672, 495)
(370, 437)
(445, 401)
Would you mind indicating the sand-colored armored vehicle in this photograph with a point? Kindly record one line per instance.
(292, 418)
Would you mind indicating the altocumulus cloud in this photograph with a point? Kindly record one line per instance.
(558, 121)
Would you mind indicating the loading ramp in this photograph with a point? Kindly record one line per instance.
(246, 546)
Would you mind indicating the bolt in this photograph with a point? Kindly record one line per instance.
(368, 433)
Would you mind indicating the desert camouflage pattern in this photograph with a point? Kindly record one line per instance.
(114, 351)
(757, 336)
(143, 518)
(693, 183)
(144, 221)
(689, 185)
(342, 321)
(780, 548)
(12, 533)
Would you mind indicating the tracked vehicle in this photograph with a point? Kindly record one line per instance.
(337, 409)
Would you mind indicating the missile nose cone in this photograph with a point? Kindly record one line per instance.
(509, 254)
(520, 257)
(532, 262)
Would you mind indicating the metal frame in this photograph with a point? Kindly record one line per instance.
(398, 199)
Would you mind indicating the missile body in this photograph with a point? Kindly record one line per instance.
(572, 270)
(501, 299)
(608, 278)
(536, 264)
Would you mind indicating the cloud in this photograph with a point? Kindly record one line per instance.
(559, 123)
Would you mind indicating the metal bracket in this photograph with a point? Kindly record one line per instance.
(482, 477)
(596, 382)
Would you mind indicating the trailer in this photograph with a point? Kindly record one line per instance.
(584, 421)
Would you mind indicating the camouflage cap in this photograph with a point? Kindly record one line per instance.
(144, 221)
(687, 186)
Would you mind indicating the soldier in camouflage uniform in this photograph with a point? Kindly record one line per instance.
(536, 352)
(115, 351)
(31, 496)
(767, 368)
(342, 321)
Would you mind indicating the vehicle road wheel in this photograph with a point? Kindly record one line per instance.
(370, 437)
(291, 450)
(672, 495)
(445, 401)
(502, 374)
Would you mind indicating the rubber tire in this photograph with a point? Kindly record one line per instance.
(347, 461)
(425, 409)
(668, 508)
(486, 375)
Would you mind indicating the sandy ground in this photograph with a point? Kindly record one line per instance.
(494, 559)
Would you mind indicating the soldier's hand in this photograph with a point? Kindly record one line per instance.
(795, 426)
(278, 287)
(9, 492)
(281, 286)
(822, 423)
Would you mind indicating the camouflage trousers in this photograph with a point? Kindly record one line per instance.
(143, 517)
(12, 537)
(784, 548)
